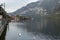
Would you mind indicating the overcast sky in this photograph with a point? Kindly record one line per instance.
(13, 5)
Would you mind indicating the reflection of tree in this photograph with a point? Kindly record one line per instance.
(3, 34)
(34, 27)
(57, 8)
(46, 26)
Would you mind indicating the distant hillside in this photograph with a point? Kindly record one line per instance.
(36, 7)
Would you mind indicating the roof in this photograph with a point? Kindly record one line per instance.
(2, 11)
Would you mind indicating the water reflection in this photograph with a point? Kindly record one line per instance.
(44, 29)
(46, 26)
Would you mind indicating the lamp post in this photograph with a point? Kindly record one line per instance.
(4, 5)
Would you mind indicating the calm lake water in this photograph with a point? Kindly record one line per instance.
(44, 29)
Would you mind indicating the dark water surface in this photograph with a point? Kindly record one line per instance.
(45, 29)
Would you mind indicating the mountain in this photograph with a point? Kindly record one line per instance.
(38, 8)
(27, 8)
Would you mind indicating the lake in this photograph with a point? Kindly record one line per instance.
(43, 29)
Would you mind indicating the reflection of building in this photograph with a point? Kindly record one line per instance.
(16, 19)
